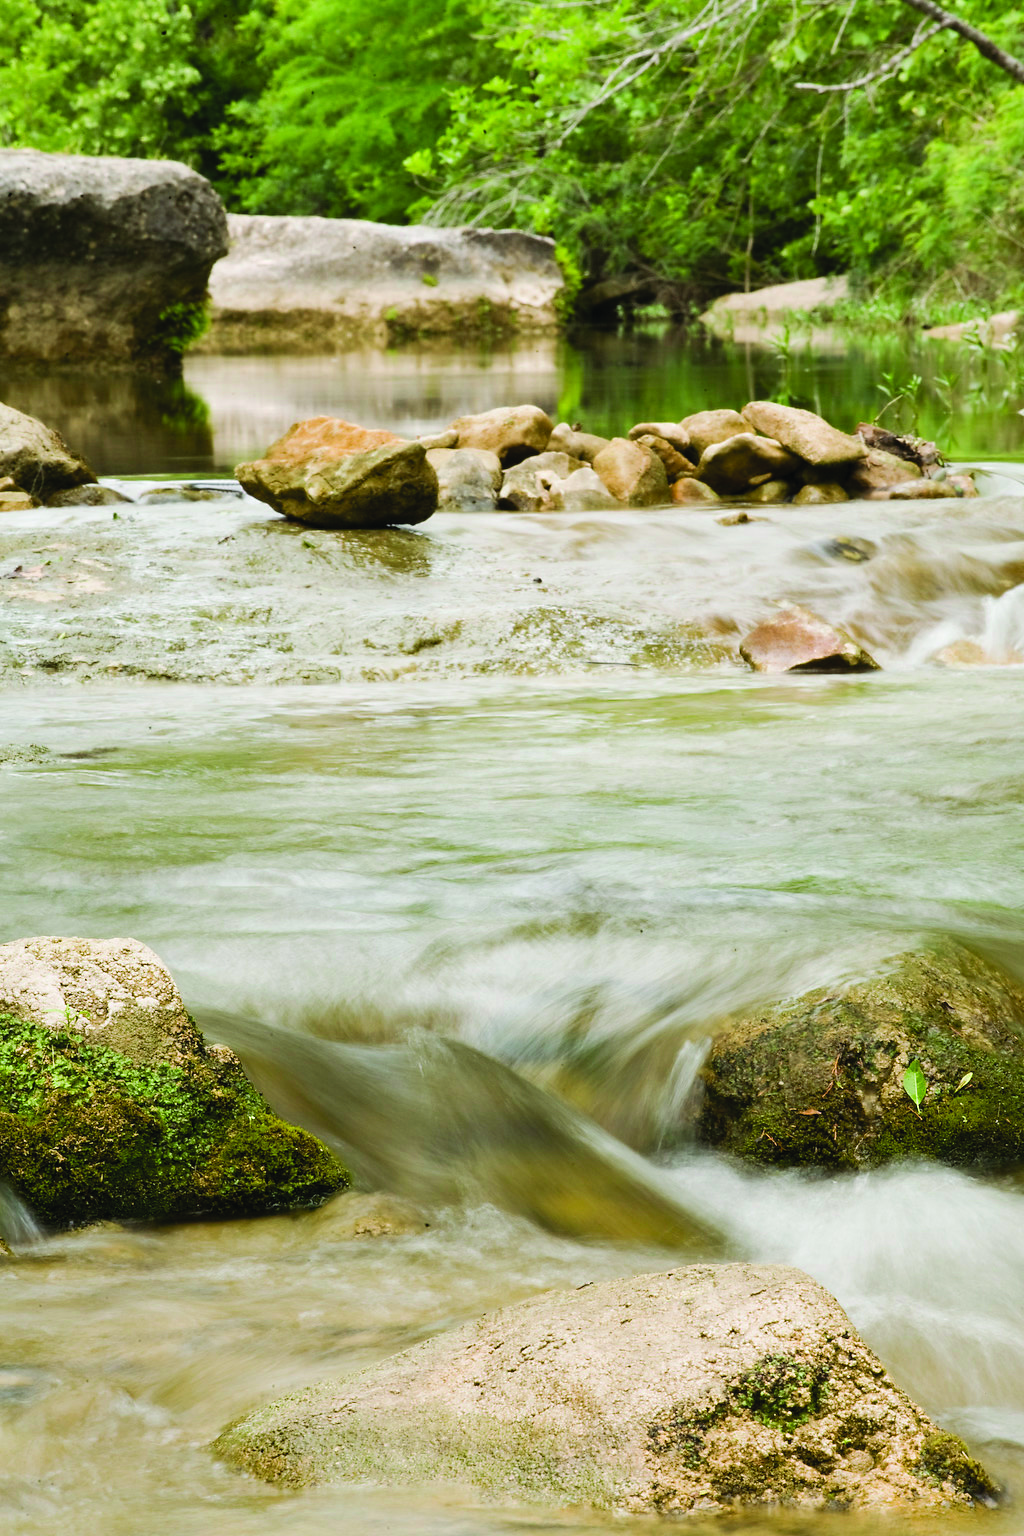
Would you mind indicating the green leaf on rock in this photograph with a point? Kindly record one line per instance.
(915, 1084)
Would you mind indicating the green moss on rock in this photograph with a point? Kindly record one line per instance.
(945, 1458)
(819, 1081)
(86, 1134)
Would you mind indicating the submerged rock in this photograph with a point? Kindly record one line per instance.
(706, 1388)
(819, 1080)
(797, 640)
(112, 1107)
(820, 493)
(104, 259)
(89, 496)
(36, 458)
(332, 474)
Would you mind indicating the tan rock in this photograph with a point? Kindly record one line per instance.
(468, 479)
(803, 433)
(513, 432)
(578, 445)
(688, 492)
(961, 485)
(16, 501)
(431, 440)
(707, 427)
(632, 474)
(819, 494)
(797, 640)
(116, 990)
(913, 490)
(771, 494)
(582, 491)
(36, 458)
(332, 474)
(737, 463)
(90, 496)
(675, 463)
(673, 432)
(737, 519)
(706, 1388)
(877, 470)
(527, 486)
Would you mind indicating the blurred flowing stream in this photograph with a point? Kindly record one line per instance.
(475, 922)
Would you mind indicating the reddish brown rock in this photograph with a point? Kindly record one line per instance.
(633, 474)
(513, 432)
(797, 640)
(332, 474)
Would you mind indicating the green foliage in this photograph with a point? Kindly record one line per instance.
(915, 1084)
(178, 326)
(356, 95)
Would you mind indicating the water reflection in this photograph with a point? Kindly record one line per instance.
(227, 409)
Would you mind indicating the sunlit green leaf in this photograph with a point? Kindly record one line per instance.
(915, 1084)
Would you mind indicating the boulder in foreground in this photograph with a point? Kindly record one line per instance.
(819, 1080)
(797, 640)
(36, 458)
(707, 1388)
(332, 474)
(104, 260)
(112, 1107)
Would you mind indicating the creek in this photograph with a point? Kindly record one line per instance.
(473, 909)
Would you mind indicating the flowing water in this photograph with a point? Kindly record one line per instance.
(475, 917)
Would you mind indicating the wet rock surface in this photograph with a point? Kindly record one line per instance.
(797, 640)
(103, 258)
(819, 1080)
(707, 1388)
(35, 460)
(332, 474)
(112, 1107)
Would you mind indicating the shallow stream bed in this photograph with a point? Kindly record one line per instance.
(501, 781)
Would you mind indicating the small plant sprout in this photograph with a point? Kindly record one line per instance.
(915, 1084)
(963, 1081)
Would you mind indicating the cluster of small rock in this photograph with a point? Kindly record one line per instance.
(514, 458)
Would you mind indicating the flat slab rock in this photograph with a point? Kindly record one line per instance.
(701, 1389)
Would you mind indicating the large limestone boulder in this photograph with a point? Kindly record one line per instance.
(819, 1079)
(703, 1389)
(320, 285)
(331, 474)
(35, 458)
(112, 1106)
(513, 432)
(797, 640)
(809, 436)
(809, 295)
(103, 260)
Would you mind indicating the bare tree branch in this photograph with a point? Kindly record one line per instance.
(884, 71)
(984, 44)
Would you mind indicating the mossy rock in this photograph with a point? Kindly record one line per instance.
(112, 1107)
(818, 1081)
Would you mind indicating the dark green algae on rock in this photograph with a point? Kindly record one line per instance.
(818, 1080)
(102, 1119)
